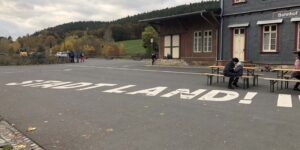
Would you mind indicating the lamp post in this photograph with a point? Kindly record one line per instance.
(152, 44)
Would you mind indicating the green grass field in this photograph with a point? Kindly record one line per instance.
(133, 47)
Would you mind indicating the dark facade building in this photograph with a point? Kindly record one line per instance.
(260, 31)
(191, 36)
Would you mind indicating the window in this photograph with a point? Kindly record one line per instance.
(239, 1)
(270, 38)
(198, 42)
(207, 41)
(203, 41)
(298, 38)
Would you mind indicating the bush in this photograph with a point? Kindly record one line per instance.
(32, 60)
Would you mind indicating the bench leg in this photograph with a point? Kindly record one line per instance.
(248, 83)
(244, 83)
(272, 85)
(210, 80)
(254, 81)
(207, 80)
(272, 89)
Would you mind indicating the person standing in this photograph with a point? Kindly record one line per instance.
(153, 57)
(296, 74)
(72, 57)
(230, 72)
(82, 57)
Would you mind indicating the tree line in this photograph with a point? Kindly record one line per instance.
(94, 37)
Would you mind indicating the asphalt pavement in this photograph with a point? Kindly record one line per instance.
(129, 105)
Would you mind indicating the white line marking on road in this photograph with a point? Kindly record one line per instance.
(248, 98)
(142, 70)
(67, 69)
(247, 102)
(284, 100)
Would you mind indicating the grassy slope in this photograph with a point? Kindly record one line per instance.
(133, 47)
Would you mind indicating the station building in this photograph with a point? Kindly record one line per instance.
(191, 36)
(256, 31)
(260, 31)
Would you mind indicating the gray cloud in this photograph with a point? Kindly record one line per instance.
(19, 17)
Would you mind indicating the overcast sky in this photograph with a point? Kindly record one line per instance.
(19, 17)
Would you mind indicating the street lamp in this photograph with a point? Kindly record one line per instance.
(152, 44)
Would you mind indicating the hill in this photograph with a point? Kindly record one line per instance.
(129, 25)
(95, 37)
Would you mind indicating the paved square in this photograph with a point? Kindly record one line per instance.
(124, 104)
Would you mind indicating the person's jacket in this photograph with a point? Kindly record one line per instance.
(239, 69)
(229, 68)
(297, 66)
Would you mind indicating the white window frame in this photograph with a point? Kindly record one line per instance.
(207, 41)
(239, 1)
(298, 37)
(270, 50)
(198, 42)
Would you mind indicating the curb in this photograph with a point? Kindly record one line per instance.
(15, 138)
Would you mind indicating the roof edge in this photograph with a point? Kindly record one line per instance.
(172, 16)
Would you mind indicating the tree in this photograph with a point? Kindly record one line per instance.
(4, 45)
(147, 35)
(108, 35)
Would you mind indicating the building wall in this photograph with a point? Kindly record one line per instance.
(287, 31)
(186, 27)
(254, 5)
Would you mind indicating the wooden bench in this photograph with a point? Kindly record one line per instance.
(274, 81)
(244, 78)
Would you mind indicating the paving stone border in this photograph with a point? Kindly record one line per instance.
(13, 137)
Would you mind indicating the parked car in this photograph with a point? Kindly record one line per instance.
(62, 54)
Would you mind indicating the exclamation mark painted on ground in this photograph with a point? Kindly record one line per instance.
(248, 98)
(284, 100)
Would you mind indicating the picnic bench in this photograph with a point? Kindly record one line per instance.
(250, 71)
(282, 78)
(244, 78)
(274, 81)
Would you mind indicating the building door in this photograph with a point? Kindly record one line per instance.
(175, 46)
(172, 46)
(239, 40)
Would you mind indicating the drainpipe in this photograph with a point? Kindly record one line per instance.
(221, 31)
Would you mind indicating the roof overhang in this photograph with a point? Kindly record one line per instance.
(277, 21)
(172, 17)
(239, 25)
(295, 19)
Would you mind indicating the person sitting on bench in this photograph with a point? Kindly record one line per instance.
(239, 69)
(296, 74)
(231, 73)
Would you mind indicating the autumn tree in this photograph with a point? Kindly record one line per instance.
(147, 35)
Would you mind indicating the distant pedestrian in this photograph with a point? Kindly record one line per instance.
(71, 55)
(81, 57)
(296, 74)
(77, 56)
(153, 57)
(230, 72)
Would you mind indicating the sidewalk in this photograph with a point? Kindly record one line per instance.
(11, 137)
